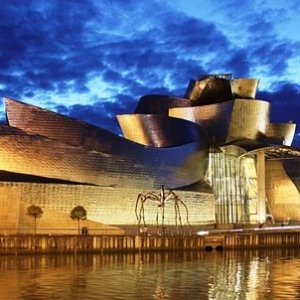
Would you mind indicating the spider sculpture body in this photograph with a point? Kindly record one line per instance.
(160, 200)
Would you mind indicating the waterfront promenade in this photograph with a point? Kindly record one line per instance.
(252, 238)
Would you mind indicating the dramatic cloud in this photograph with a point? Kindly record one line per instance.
(285, 101)
(94, 59)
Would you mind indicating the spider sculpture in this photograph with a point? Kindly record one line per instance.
(160, 200)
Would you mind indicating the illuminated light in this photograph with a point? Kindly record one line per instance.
(202, 232)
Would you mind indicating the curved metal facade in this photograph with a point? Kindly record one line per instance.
(243, 88)
(284, 131)
(138, 166)
(33, 119)
(209, 90)
(204, 146)
(159, 130)
(50, 147)
(249, 119)
(283, 196)
(214, 118)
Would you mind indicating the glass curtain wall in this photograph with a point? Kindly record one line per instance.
(234, 182)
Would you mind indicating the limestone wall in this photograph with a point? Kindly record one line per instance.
(9, 209)
(109, 206)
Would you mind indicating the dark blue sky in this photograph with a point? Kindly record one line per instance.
(95, 59)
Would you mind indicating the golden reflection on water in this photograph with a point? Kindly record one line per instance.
(265, 274)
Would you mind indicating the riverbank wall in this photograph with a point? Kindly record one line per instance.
(205, 240)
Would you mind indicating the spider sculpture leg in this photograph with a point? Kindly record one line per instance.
(186, 209)
(139, 210)
(175, 209)
(178, 210)
(143, 213)
(157, 216)
(154, 199)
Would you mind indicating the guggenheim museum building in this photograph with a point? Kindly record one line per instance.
(215, 149)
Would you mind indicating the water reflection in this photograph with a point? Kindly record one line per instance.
(268, 274)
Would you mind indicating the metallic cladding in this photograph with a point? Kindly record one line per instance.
(36, 120)
(214, 118)
(243, 88)
(160, 130)
(138, 166)
(209, 90)
(249, 119)
(119, 161)
(292, 168)
(284, 131)
(283, 196)
(64, 162)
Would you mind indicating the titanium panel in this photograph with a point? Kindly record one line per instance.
(68, 130)
(159, 104)
(36, 120)
(292, 168)
(214, 118)
(285, 131)
(208, 91)
(86, 164)
(243, 88)
(159, 130)
(138, 166)
(282, 194)
(249, 119)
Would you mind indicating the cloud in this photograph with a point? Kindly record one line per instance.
(285, 105)
(94, 59)
(285, 102)
(100, 113)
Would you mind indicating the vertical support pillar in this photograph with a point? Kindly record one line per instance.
(261, 187)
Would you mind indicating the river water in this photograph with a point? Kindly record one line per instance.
(225, 275)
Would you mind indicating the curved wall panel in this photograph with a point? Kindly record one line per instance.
(282, 194)
(33, 119)
(159, 104)
(286, 131)
(209, 90)
(244, 87)
(159, 131)
(137, 166)
(215, 118)
(249, 119)
(292, 168)
(65, 129)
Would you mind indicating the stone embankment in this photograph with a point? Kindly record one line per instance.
(205, 240)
